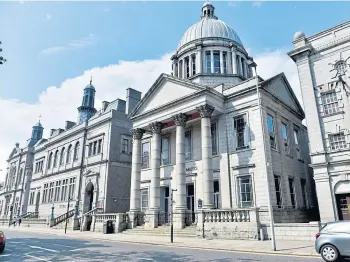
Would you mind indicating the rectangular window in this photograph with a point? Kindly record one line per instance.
(214, 142)
(90, 149)
(241, 132)
(303, 191)
(94, 148)
(187, 66)
(71, 187)
(99, 147)
(64, 190)
(296, 141)
(278, 191)
(217, 62)
(57, 191)
(292, 191)
(245, 191)
(165, 151)
(144, 200)
(50, 198)
(285, 136)
(45, 193)
(330, 103)
(145, 155)
(188, 145)
(125, 146)
(216, 194)
(225, 62)
(193, 65)
(31, 199)
(208, 62)
(271, 128)
(337, 141)
(239, 69)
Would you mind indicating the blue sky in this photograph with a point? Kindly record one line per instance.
(105, 32)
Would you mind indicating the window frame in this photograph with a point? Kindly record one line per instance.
(330, 102)
(208, 62)
(285, 140)
(245, 134)
(331, 137)
(125, 147)
(280, 191)
(292, 194)
(143, 166)
(167, 137)
(143, 191)
(190, 153)
(239, 192)
(215, 147)
(272, 134)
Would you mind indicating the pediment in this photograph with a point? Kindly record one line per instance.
(165, 90)
(14, 152)
(279, 87)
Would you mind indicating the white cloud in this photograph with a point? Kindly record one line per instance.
(74, 44)
(58, 104)
(48, 17)
(257, 4)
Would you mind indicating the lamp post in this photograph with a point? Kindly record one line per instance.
(65, 229)
(172, 215)
(52, 211)
(272, 228)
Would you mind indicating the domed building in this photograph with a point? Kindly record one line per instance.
(210, 52)
(198, 139)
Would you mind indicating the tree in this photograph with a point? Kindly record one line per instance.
(2, 59)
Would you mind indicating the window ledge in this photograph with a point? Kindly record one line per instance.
(145, 168)
(166, 165)
(333, 114)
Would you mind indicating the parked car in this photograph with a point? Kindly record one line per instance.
(2, 241)
(333, 241)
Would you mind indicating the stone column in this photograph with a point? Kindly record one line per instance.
(190, 65)
(183, 69)
(241, 65)
(199, 60)
(234, 62)
(221, 62)
(135, 193)
(207, 166)
(174, 67)
(26, 189)
(246, 74)
(156, 128)
(178, 68)
(181, 208)
(212, 61)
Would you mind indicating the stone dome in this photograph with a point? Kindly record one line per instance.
(209, 27)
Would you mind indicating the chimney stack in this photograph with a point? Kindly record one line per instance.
(133, 97)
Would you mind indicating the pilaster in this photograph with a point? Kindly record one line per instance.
(234, 61)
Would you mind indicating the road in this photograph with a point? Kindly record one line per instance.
(28, 247)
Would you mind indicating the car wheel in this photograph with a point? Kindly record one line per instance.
(329, 253)
(2, 249)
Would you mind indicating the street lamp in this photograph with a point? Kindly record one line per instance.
(252, 64)
(172, 215)
(65, 229)
(52, 210)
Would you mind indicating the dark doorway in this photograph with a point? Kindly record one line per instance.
(88, 200)
(190, 202)
(343, 204)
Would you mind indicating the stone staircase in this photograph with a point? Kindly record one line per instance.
(189, 231)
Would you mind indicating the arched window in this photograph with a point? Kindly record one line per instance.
(76, 151)
(55, 159)
(62, 156)
(49, 163)
(69, 154)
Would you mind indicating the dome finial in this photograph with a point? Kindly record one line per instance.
(39, 118)
(91, 79)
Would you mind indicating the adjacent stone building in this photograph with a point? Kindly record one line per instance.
(88, 162)
(198, 134)
(323, 62)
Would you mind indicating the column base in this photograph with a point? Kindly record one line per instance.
(75, 224)
(151, 220)
(179, 218)
(133, 219)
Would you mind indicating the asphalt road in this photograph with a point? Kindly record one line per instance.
(23, 246)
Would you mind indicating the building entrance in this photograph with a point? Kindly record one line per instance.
(190, 202)
(343, 204)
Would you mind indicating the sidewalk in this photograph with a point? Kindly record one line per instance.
(284, 247)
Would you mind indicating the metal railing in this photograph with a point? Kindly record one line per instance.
(62, 218)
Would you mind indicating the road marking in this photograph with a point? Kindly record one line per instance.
(63, 245)
(5, 255)
(37, 258)
(46, 249)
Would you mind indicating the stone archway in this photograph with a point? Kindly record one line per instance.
(342, 195)
(88, 197)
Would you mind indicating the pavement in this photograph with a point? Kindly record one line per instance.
(284, 247)
(36, 245)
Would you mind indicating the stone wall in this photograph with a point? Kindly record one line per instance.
(285, 215)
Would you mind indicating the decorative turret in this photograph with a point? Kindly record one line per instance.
(37, 134)
(87, 110)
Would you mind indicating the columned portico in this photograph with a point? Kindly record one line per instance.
(154, 208)
(207, 166)
(135, 203)
(181, 208)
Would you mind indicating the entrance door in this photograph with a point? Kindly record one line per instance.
(166, 204)
(190, 201)
(37, 202)
(343, 203)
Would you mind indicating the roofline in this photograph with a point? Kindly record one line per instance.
(313, 37)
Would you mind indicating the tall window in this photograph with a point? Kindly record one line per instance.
(188, 145)
(31, 198)
(303, 191)
(216, 194)
(285, 136)
(193, 65)
(217, 62)
(245, 191)
(71, 187)
(278, 191)
(20, 176)
(64, 190)
(45, 193)
(214, 143)
(90, 150)
(239, 69)
(296, 141)
(292, 191)
(99, 146)
(55, 160)
(330, 102)
(50, 198)
(95, 148)
(57, 190)
(145, 155)
(50, 161)
(240, 132)
(125, 145)
(69, 154)
(208, 61)
(165, 151)
(271, 128)
(144, 200)
(187, 64)
(62, 156)
(225, 62)
(337, 141)
(76, 151)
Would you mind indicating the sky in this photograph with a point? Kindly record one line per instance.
(53, 48)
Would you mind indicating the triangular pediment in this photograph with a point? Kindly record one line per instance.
(279, 87)
(165, 90)
(14, 152)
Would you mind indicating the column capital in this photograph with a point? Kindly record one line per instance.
(205, 110)
(180, 119)
(156, 127)
(137, 133)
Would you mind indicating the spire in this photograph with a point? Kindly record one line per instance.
(91, 80)
(39, 118)
(87, 109)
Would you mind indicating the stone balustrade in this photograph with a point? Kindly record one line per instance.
(119, 221)
(237, 215)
